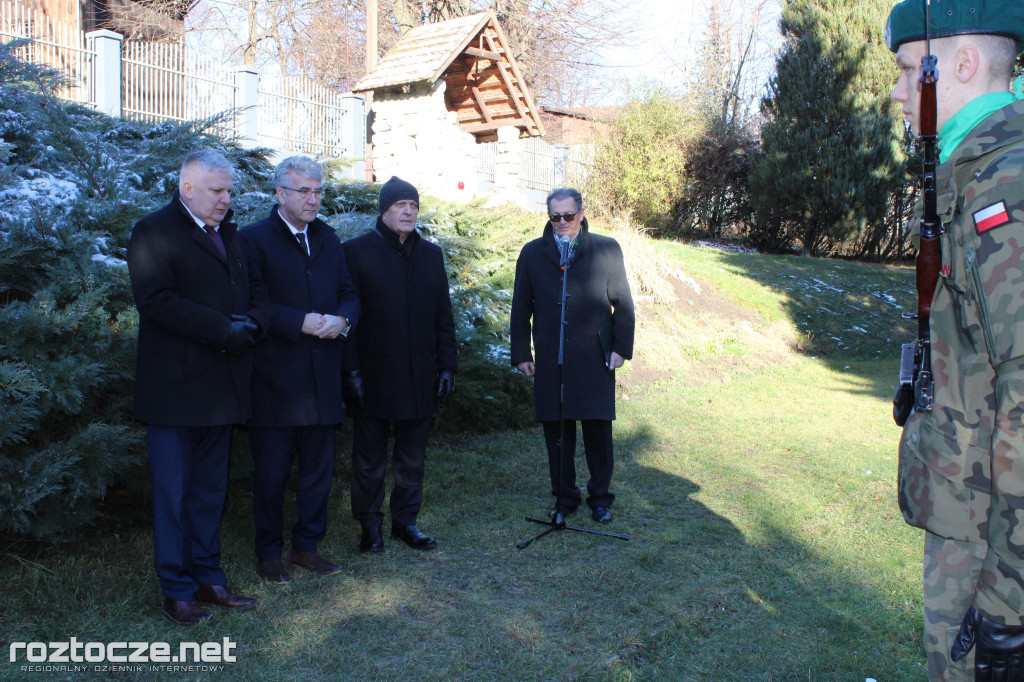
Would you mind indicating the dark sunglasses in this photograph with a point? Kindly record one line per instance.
(568, 217)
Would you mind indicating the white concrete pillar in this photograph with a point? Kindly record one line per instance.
(353, 136)
(106, 71)
(506, 163)
(247, 83)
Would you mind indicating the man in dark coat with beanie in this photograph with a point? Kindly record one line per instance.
(599, 302)
(401, 365)
(296, 384)
(200, 311)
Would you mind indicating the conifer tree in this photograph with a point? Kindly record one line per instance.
(72, 184)
(830, 145)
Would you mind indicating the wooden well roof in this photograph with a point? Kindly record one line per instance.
(483, 83)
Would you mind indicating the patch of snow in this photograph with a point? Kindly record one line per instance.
(725, 246)
(109, 260)
(693, 284)
(38, 192)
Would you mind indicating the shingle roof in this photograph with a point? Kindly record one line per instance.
(483, 83)
(423, 53)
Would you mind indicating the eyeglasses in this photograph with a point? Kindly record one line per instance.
(306, 191)
(567, 217)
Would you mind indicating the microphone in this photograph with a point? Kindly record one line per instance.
(563, 248)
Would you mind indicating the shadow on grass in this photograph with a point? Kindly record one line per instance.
(687, 598)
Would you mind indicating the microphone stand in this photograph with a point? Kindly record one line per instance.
(557, 520)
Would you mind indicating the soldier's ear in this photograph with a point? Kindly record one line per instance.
(968, 61)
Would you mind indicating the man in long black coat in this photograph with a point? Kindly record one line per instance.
(296, 385)
(401, 366)
(200, 311)
(598, 296)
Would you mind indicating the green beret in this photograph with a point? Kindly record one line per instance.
(953, 18)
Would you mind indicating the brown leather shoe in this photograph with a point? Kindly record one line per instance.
(273, 571)
(222, 597)
(313, 562)
(185, 612)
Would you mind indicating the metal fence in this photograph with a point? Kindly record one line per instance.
(164, 81)
(544, 167)
(537, 160)
(300, 115)
(53, 44)
(485, 156)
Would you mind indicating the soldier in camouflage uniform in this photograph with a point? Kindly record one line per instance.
(961, 471)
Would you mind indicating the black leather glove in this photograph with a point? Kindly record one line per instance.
(445, 385)
(352, 393)
(251, 325)
(239, 340)
(1000, 648)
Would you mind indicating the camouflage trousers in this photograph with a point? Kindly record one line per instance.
(951, 570)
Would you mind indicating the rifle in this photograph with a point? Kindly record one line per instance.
(916, 389)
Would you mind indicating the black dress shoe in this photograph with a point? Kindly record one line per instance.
(602, 514)
(313, 562)
(412, 536)
(273, 571)
(565, 512)
(185, 612)
(372, 540)
(221, 596)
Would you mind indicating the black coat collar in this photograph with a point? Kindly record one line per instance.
(551, 247)
(314, 234)
(391, 238)
(226, 229)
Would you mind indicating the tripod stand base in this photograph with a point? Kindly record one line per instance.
(558, 523)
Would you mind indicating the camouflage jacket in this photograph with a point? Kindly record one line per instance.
(961, 472)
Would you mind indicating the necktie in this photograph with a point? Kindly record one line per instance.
(301, 236)
(217, 241)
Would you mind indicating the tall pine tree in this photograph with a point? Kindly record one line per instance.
(830, 144)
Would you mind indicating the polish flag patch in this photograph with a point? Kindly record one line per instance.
(991, 217)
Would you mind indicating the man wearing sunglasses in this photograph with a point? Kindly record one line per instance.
(296, 382)
(599, 301)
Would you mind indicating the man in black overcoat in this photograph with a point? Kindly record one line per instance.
(296, 383)
(401, 366)
(598, 296)
(201, 309)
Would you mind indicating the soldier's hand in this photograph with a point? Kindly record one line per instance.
(352, 393)
(239, 340)
(999, 649)
(445, 385)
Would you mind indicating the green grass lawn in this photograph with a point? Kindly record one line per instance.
(760, 499)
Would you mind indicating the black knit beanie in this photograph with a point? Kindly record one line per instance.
(395, 190)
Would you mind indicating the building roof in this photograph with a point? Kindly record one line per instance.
(483, 83)
(602, 114)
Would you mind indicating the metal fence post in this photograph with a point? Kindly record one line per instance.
(247, 83)
(353, 136)
(105, 83)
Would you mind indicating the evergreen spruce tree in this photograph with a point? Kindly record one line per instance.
(830, 145)
(72, 184)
